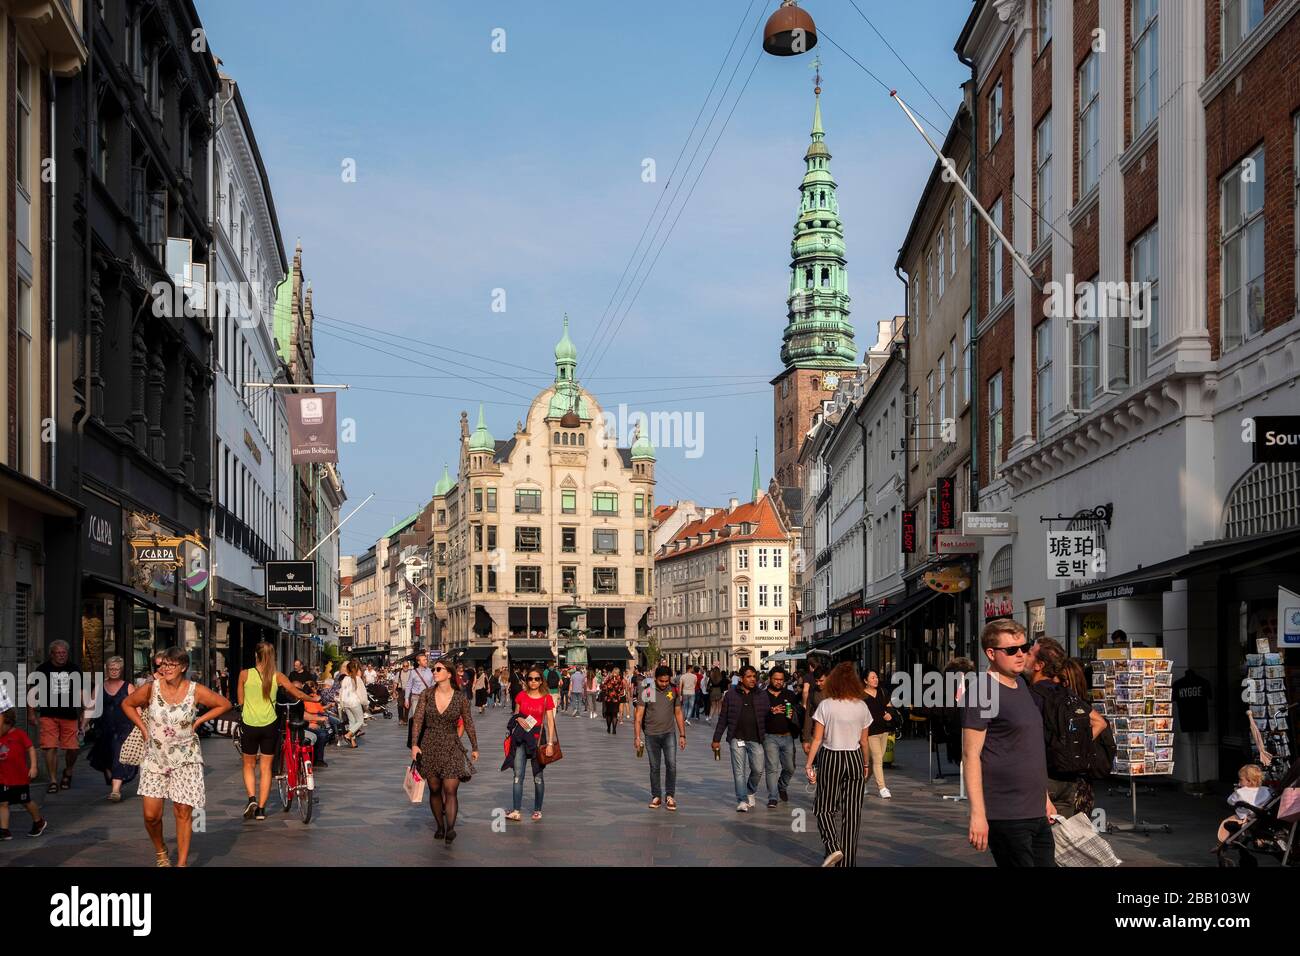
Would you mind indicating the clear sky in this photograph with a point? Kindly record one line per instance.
(522, 171)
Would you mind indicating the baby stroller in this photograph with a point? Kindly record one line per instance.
(379, 702)
(1262, 834)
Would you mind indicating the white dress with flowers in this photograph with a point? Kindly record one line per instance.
(172, 768)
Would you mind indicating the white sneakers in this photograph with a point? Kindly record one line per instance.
(835, 857)
(742, 807)
(884, 793)
(750, 799)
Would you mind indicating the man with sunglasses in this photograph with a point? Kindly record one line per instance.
(1004, 757)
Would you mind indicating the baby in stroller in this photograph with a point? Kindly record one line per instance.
(378, 702)
(1254, 827)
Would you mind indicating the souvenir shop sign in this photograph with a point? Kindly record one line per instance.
(291, 585)
(1073, 555)
(1277, 438)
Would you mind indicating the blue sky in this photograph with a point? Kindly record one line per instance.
(522, 171)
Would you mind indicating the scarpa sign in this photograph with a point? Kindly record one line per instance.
(313, 427)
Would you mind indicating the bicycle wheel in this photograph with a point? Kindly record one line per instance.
(305, 800)
(237, 737)
(282, 786)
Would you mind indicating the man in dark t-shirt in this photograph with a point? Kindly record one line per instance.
(778, 739)
(1005, 758)
(57, 708)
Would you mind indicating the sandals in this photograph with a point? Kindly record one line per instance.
(514, 815)
(537, 814)
(52, 788)
(161, 858)
(65, 782)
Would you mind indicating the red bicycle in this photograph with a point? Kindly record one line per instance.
(295, 780)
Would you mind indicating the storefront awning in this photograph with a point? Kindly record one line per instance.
(529, 651)
(476, 653)
(608, 651)
(888, 616)
(1224, 557)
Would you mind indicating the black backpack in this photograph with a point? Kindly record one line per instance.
(1103, 754)
(552, 679)
(1067, 729)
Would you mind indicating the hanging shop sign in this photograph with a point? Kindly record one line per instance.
(945, 512)
(950, 580)
(313, 427)
(291, 585)
(1277, 438)
(102, 537)
(909, 531)
(987, 523)
(955, 544)
(1288, 618)
(998, 604)
(1072, 555)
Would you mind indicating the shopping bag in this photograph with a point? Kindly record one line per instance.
(1288, 808)
(413, 784)
(132, 752)
(1079, 844)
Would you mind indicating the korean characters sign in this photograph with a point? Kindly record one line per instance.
(1073, 555)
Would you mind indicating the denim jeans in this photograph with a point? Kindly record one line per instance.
(662, 749)
(778, 750)
(746, 767)
(688, 706)
(539, 785)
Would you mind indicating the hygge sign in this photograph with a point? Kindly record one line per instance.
(290, 585)
(975, 524)
(1277, 438)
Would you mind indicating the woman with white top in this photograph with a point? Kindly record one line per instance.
(840, 738)
(352, 701)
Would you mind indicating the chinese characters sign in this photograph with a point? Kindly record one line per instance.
(1072, 555)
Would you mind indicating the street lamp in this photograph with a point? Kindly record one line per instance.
(789, 31)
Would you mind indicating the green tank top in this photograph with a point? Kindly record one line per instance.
(258, 711)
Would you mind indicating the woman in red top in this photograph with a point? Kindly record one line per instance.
(533, 702)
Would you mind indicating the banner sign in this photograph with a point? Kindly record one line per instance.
(1072, 555)
(291, 585)
(147, 552)
(944, 493)
(955, 544)
(313, 427)
(987, 523)
(909, 531)
(1277, 438)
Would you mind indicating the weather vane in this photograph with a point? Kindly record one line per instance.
(817, 68)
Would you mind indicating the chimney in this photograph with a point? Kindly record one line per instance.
(733, 504)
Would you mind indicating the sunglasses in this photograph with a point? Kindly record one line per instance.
(534, 680)
(1015, 649)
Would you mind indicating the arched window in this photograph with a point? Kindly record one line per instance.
(821, 199)
(826, 278)
(558, 438)
(807, 278)
(1265, 499)
(582, 439)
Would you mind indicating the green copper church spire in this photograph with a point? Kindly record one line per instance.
(482, 439)
(817, 332)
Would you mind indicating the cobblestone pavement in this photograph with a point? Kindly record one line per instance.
(594, 814)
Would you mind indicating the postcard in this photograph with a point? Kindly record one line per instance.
(1164, 754)
(1164, 693)
(1164, 680)
(1277, 698)
(1274, 671)
(1136, 740)
(1164, 740)
(1163, 724)
(1272, 660)
(1255, 673)
(1163, 708)
(1254, 660)
(1163, 767)
(1164, 667)
(1137, 723)
(1275, 683)
(1123, 766)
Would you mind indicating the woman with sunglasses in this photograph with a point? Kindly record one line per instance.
(536, 703)
(436, 749)
(172, 768)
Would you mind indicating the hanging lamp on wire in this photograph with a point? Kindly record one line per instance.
(790, 31)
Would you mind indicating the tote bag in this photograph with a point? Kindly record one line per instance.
(1078, 844)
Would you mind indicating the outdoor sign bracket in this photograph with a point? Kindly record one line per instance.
(1099, 513)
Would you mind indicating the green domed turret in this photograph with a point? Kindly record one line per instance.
(566, 353)
(641, 448)
(444, 485)
(482, 439)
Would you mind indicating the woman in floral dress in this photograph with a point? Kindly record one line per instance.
(436, 749)
(172, 768)
(612, 692)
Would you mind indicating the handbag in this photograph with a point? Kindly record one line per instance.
(1288, 808)
(556, 754)
(1079, 844)
(413, 784)
(132, 752)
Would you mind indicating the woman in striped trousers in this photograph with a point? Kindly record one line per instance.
(840, 740)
